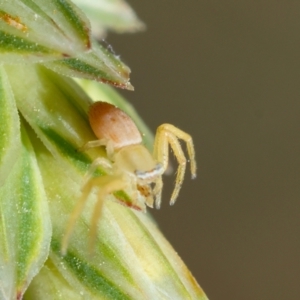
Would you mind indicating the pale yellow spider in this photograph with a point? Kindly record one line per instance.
(129, 164)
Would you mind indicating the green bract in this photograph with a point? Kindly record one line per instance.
(114, 15)
(43, 124)
(41, 30)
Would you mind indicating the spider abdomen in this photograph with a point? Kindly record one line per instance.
(112, 124)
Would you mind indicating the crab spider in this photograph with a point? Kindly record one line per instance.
(129, 164)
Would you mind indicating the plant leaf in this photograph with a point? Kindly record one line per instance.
(114, 15)
(63, 132)
(50, 285)
(25, 227)
(10, 140)
(23, 24)
(99, 64)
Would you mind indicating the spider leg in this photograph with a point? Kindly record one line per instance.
(100, 161)
(160, 148)
(169, 134)
(109, 184)
(92, 144)
(179, 134)
(176, 147)
(98, 143)
(75, 214)
(146, 191)
(161, 154)
(157, 191)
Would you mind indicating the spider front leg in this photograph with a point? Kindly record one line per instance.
(166, 135)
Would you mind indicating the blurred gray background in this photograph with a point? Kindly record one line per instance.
(228, 72)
